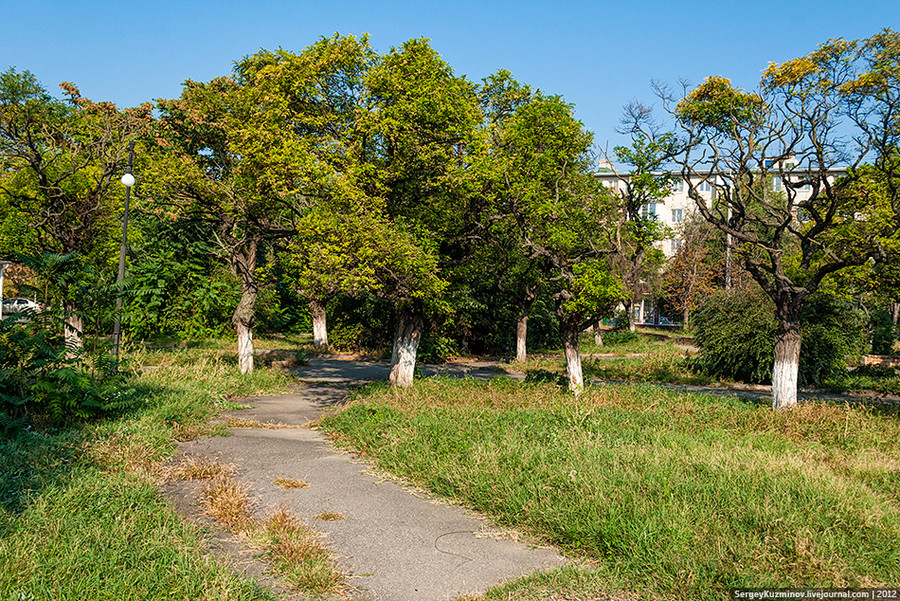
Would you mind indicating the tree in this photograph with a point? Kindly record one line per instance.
(563, 216)
(788, 135)
(421, 128)
(252, 152)
(501, 244)
(60, 161)
(690, 275)
(636, 260)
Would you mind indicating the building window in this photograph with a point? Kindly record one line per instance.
(677, 215)
(648, 211)
(676, 245)
(678, 185)
(704, 186)
(776, 184)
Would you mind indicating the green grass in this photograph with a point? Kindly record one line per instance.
(668, 495)
(80, 513)
(637, 358)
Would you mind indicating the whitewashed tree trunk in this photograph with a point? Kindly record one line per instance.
(245, 347)
(244, 265)
(521, 335)
(73, 328)
(787, 366)
(573, 359)
(598, 334)
(406, 345)
(320, 331)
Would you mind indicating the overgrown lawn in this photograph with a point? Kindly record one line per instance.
(670, 495)
(80, 513)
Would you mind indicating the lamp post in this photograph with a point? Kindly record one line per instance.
(128, 182)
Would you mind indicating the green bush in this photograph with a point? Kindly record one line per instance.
(882, 332)
(37, 377)
(735, 331)
(833, 333)
(619, 337)
(436, 349)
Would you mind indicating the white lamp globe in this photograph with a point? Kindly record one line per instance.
(127, 180)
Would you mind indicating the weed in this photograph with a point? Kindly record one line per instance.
(328, 516)
(198, 468)
(228, 502)
(298, 554)
(290, 483)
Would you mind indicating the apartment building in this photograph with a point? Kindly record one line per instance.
(676, 207)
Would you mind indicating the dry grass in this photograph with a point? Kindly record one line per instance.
(299, 555)
(118, 451)
(197, 468)
(290, 483)
(240, 422)
(328, 516)
(228, 502)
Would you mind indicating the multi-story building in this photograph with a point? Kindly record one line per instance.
(677, 206)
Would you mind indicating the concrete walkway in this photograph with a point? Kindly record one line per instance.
(397, 544)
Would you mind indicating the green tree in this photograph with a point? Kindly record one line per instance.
(562, 215)
(421, 128)
(787, 135)
(60, 162)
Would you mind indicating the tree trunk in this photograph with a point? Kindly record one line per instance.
(320, 331)
(406, 345)
(244, 264)
(521, 334)
(629, 314)
(598, 334)
(787, 366)
(894, 309)
(685, 318)
(73, 328)
(569, 336)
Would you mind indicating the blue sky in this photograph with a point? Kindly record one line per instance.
(598, 55)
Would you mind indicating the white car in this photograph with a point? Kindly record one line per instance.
(17, 305)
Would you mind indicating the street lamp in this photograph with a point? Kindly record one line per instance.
(128, 182)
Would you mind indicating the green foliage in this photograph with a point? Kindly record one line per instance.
(736, 335)
(834, 334)
(39, 377)
(883, 333)
(177, 285)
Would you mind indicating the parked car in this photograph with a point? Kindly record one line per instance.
(17, 305)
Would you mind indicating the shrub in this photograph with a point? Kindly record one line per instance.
(735, 331)
(882, 332)
(38, 377)
(619, 337)
(436, 349)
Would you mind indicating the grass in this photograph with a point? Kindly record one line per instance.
(634, 358)
(295, 551)
(665, 494)
(290, 483)
(81, 516)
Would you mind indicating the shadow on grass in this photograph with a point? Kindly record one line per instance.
(41, 454)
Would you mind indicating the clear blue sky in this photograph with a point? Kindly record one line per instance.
(598, 55)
